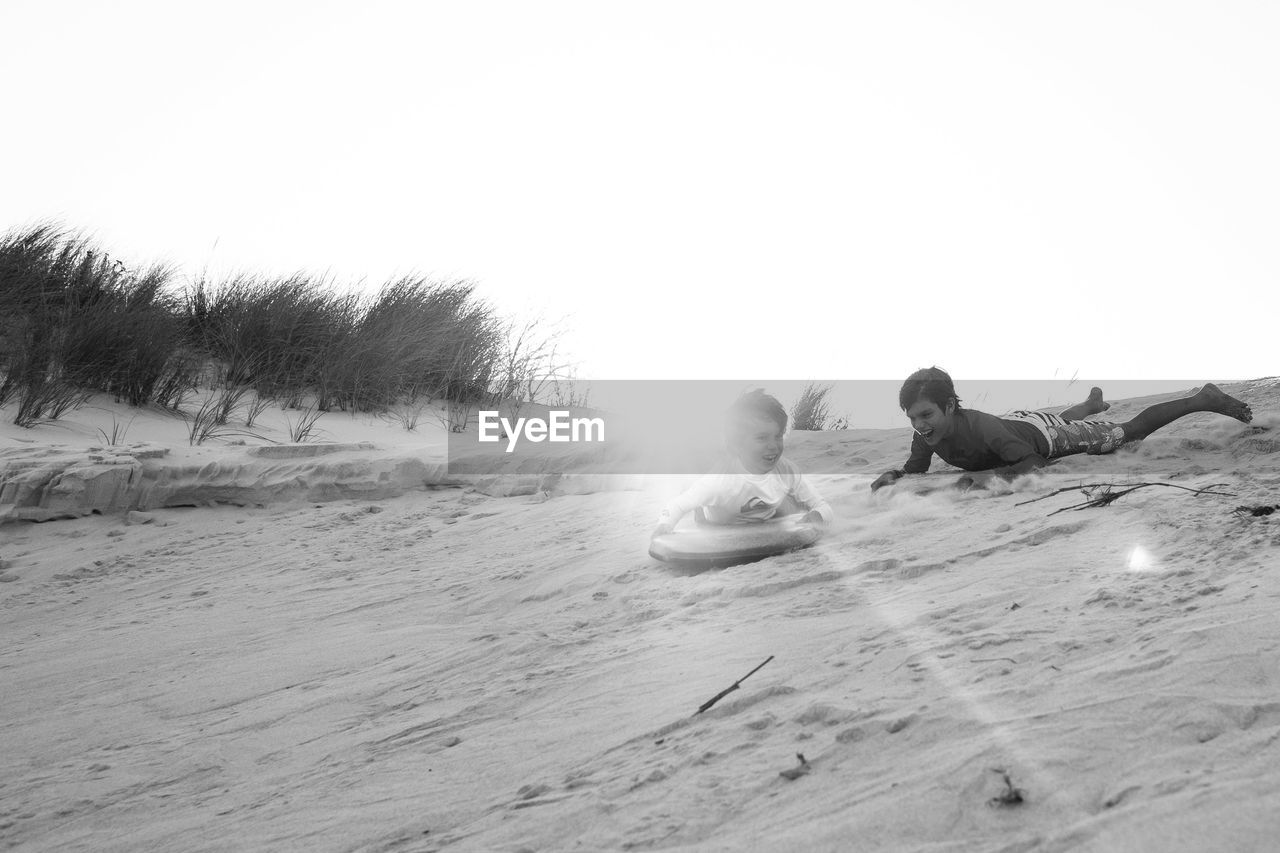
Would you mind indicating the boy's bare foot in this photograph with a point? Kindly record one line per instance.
(1092, 405)
(1214, 399)
(1095, 402)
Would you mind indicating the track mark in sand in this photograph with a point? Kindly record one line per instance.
(1155, 660)
(541, 596)
(197, 780)
(1207, 589)
(413, 837)
(1250, 715)
(869, 567)
(526, 804)
(97, 570)
(921, 569)
(911, 571)
(775, 587)
(976, 643)
(531, 792)
(371, 605)
(900, 723)
(1113, 598)
(877, 567)
(1040, 537)
(1120, 796)
(436, 732)
(1204, 722)
(1031, 540)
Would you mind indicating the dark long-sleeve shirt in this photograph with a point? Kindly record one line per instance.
(979, 442)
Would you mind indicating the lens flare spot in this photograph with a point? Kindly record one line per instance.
(1141, 560)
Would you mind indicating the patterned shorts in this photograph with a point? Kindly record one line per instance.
(1069, 437)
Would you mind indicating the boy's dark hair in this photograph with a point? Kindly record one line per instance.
(756, 404)
(930, 383)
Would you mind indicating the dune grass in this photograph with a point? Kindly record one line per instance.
(74, 320)
(811, 411)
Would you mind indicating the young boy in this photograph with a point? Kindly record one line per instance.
(758, 484)
(1023, 441)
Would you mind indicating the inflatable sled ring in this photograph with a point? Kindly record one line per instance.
(715, 546)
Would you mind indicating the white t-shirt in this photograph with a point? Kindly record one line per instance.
(738, 495)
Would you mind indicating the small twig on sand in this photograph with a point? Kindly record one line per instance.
(793, 773)
(1107, 496)
(723, 693)
(990, 660)
(1010, 796)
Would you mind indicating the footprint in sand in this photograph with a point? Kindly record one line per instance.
(896, 725)
(825, 714)
(854, 734)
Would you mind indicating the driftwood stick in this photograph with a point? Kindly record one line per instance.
(1083, 487)
(723, 693)
(1108, 496)
(1087, 487)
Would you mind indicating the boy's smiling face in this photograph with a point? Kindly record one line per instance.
(757, 442)
(932, 422)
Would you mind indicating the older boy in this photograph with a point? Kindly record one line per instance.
(758, 484)
(1024, 441)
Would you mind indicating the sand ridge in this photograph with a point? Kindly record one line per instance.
(448, 670)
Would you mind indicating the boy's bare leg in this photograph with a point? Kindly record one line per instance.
(1092, 405)
(1210, 398)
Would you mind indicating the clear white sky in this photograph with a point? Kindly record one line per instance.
(705, 190)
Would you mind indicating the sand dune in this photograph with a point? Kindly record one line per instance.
(448, 670)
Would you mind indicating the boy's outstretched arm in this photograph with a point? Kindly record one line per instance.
(888, 478)
(914, 465)
(917, 463)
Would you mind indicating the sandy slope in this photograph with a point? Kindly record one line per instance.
(447, 670)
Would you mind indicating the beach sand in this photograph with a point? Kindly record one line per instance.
(449, 670)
